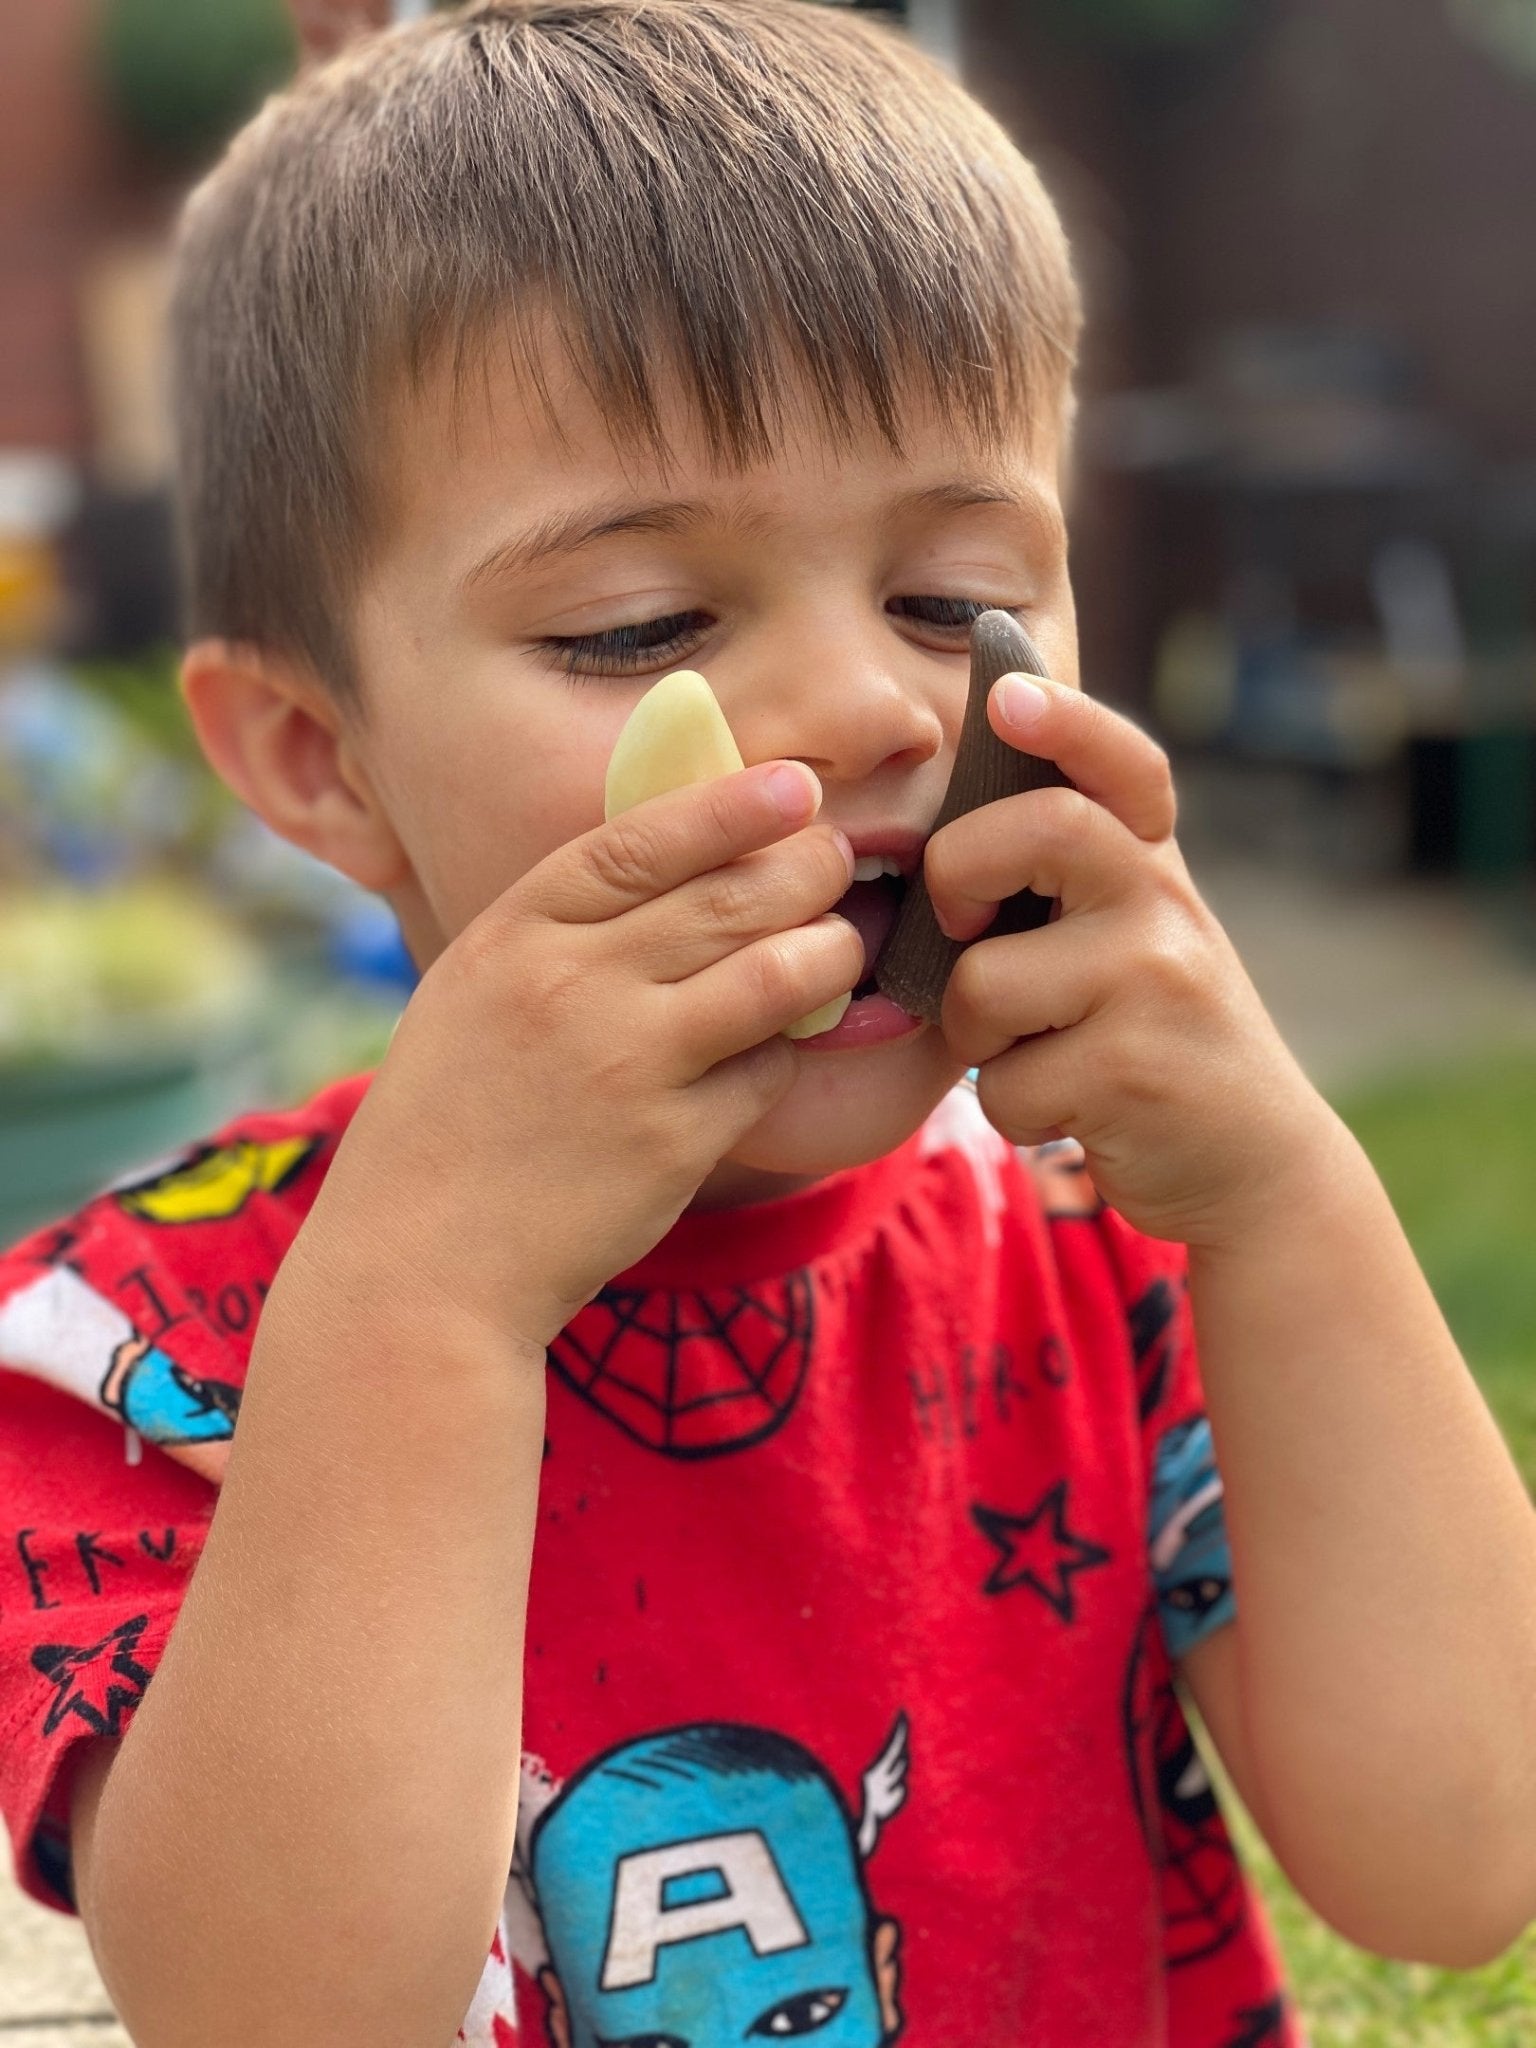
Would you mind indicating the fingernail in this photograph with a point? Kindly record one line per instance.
(795, 792)
(846, 846)
(969, 925)
(1021, 702)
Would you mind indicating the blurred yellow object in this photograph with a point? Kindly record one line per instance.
(31, 593)
(1194, 679)
(677, 735)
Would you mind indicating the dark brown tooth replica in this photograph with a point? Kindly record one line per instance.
(917, 960)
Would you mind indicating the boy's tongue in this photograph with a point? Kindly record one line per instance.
(871, 907)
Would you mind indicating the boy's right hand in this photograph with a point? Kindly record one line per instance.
(580, 1058)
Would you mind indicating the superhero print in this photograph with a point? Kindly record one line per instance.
(62, 1330)
(1187, 1532)
(1153, 1321)
(1204, 1898)
(1062, 1180)
(967, 1420)
(1039, 1550)
(213, 1182)
(1259, 2026)
(705, 1887)
(692, 1375)
(98, 1683)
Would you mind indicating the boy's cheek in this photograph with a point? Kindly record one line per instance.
(476, 822)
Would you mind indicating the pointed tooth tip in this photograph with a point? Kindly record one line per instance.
(999, 644)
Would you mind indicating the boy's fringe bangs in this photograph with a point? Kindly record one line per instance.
(742, 270)
(766, 201)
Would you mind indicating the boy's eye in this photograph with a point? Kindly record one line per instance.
(630, 650)
(946, 618)
(658, 643)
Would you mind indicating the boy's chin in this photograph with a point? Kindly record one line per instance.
(848, 1108)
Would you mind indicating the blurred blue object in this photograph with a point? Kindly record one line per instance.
(85, 795)
(367, 946)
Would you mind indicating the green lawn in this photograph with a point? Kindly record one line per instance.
(1457, 1150)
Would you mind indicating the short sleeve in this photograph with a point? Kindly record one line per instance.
(1187, 1538)
(97, 1555)
(1187, 1550)
(125, 1335)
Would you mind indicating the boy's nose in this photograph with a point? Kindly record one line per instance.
(845, 709)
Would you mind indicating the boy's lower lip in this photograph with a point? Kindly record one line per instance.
(874, 1021)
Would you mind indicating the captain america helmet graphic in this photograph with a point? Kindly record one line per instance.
(706, 1886)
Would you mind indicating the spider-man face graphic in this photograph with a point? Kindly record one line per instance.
(692, 1375)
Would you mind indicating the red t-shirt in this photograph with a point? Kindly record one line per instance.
(866, 1519)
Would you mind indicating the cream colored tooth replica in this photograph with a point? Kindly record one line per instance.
(676, 735)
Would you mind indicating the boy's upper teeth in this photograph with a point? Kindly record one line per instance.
(871, 866)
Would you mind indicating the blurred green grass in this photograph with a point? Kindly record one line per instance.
(1456, 1148)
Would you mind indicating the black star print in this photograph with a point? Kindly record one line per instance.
(99, 1697)
(1038, 1553)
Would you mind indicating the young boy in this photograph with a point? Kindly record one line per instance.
(802, 1638)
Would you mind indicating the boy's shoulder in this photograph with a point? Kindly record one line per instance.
(144, 1302)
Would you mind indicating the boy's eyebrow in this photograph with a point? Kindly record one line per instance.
(1042, 512)
(564, 533)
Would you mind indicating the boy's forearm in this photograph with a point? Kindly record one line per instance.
(307, 1832)
(1385, 1558)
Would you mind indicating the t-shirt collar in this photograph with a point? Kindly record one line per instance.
(708, 1248)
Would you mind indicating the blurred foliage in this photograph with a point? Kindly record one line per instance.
(1507, 28)
(87, 975)
(1456, 1148)
(144, 691)
(182, 74)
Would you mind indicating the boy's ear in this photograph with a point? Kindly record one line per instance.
(276, 736)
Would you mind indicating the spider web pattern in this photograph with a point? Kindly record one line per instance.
(1204, 1895)
(692, 1375)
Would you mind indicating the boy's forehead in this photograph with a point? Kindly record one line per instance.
(501, 436)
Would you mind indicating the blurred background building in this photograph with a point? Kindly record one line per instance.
(1304, 510)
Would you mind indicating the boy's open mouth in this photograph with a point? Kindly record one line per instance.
(872, 908)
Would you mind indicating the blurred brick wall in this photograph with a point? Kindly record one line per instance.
(1072, 116)
(69, 185)
(1357, 162)
(1345, 160)
(1365, 160)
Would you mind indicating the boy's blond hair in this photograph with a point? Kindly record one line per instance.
(760, 197)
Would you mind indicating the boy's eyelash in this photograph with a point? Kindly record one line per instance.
(654, 643)
(958, 614)
(624, 650)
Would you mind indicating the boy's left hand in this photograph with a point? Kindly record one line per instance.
(1128, 1022)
